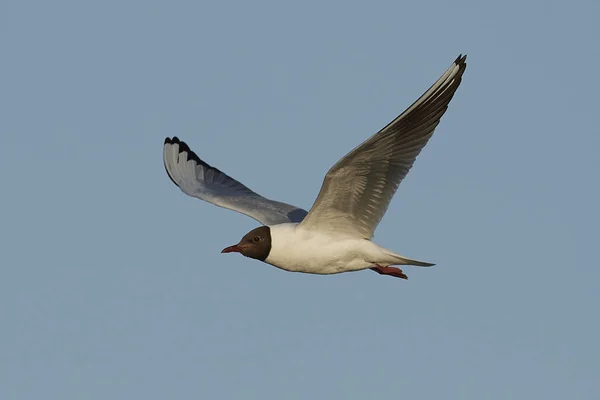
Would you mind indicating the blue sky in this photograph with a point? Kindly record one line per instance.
(111, 280)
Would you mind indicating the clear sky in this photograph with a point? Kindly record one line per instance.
(112, 285)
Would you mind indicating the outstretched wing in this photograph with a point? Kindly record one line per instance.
(357, 190)
(198, 179)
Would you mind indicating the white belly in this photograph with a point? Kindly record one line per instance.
(301, 250)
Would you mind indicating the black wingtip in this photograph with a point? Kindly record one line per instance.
(461, 60)
(175, 140)
(191, 155)
(182, 147)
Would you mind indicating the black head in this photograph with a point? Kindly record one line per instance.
(255, 244)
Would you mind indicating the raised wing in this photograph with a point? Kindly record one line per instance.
(357, 190)
(198, 179)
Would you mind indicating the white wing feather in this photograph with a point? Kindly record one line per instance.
(198, 179)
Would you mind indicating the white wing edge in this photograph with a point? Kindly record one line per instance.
(198, 179)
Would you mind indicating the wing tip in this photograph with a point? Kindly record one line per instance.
(461, 59)
(184, 147)
(175, 140)
(461, 63)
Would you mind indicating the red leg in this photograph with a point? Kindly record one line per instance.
(393, 271)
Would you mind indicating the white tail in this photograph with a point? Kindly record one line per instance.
(401, 260)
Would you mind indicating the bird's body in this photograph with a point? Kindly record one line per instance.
(297, 249)
(335, 235)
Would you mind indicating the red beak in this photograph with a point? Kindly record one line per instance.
(232, 249)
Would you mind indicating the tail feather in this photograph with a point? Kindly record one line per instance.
(401, 260)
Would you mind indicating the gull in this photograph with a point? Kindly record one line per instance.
(335, 235)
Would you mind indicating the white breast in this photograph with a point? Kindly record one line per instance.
(302, 250)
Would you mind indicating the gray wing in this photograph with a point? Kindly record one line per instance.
(357, 190)
(198, 179)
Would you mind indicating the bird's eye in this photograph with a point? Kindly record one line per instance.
(256, 239)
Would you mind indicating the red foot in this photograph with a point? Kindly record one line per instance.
(393, 271)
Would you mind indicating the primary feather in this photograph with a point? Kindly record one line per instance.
(357, 190)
